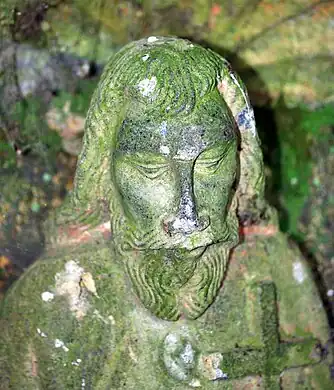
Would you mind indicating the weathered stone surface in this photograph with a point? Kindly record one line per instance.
(107, 339)
(287, 45)
(164, 302)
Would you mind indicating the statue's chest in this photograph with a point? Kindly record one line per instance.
(236, 316)
(187, 352)
(239, 336)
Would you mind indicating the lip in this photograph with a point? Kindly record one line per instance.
(186, 244)
(182, 252)
(197, 252)
(186, 247)
(192, 245)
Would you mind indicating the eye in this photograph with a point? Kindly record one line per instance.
(209, 162)
(209, 166)
(152, 171)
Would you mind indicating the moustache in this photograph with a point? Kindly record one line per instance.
(191, 245)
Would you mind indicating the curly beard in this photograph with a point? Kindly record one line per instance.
(173, 282)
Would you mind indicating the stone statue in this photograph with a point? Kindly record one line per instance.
(165, 268)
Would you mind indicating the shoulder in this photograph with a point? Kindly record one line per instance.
(274, 258)
(63, 278)
(63, 312)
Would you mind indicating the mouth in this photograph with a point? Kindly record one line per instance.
(180, 254)
(194, 253)
(183, 253)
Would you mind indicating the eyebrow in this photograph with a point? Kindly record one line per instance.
(216, 151)
(146, 157)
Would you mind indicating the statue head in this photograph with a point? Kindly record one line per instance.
(170, 144)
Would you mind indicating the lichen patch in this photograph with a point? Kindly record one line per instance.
(47, 296)
(164, 150)
(42, 334)
(60, 344)
(163, 128)
(209, 366)
(188, 354)
(151, 39)
(147, 86)
(75, 284)
(178, 356)
(195, 383)
(298, 272)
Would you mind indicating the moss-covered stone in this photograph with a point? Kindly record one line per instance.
(287, 44)
(109, 339)
(139, 287)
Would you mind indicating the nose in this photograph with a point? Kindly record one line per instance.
(186, 219)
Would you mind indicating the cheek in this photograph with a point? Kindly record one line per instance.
(213, 192)
(157, 195)
(212, 195)
(142, 196)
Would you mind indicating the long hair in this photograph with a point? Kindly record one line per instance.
(166, 77)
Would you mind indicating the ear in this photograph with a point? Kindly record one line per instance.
(250, 190)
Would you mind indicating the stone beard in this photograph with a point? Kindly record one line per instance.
(173, 285)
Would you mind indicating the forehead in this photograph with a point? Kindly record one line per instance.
(175, 138)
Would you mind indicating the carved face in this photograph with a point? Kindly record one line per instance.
(175, 177)
(174, 181)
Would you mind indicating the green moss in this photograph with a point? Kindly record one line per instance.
(269, 319)
(201, 9)
(83, 34)
(94, 29)
(298, 129)
(243, 362)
